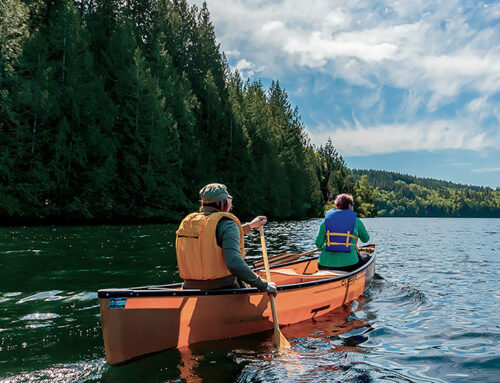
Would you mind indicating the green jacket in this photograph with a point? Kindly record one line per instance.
(334, 259)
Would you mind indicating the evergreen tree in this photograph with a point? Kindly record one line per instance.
(13, 33)
(333, 174)
(34, 110)
(265, 169)
(113, 109)
(290, 136)
(365, 198)
(241, 166)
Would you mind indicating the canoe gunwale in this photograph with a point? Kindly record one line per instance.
(172, 289)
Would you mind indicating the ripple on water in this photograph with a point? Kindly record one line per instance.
(39, 320)
(490, 363)
(13, 294)
(40, 316)
(408, 293)
(76, 372)
(478, 334)
(424, 321)
(21, 252)
(82, 296)
(44, 295)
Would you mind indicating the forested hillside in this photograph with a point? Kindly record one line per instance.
(403, 195)
(114, 110)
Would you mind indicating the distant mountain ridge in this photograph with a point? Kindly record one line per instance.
(402, 195)
(383, 178)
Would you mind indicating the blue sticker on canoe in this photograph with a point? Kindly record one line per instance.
(117, 303)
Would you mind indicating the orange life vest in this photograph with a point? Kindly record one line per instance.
(199, 257)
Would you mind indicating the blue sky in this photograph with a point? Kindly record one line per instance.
(406, 86)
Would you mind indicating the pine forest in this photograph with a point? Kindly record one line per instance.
(115, 110)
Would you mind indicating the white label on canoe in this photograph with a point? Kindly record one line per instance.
(117, 303)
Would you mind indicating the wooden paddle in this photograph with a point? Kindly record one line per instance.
(279, 340)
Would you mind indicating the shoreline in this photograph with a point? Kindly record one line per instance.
(4, 223)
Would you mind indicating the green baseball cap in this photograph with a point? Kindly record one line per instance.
(214, 193)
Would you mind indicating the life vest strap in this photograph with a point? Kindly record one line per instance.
(347, 236)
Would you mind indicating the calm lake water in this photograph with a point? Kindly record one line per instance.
(431, 315)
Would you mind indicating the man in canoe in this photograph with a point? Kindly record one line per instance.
(210, 246)
(338, 236)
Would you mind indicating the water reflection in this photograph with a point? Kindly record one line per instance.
(321, 349)
(430, 315)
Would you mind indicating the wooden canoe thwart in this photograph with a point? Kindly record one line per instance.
(281, 258)
(141, 320)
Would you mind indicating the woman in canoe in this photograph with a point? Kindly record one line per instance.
(338, 235)
(210, 246)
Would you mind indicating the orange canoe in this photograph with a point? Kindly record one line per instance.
(142, 320)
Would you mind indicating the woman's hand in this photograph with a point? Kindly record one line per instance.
(258, 221)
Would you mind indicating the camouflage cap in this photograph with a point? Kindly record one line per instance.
(214, 193)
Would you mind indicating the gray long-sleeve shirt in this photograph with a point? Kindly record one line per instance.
(228, 237)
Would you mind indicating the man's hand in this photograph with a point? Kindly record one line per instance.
(271, 288)
(258, 221)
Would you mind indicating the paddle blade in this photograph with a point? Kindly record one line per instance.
(281, 342)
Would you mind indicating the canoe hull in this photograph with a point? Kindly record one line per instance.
(135, 322)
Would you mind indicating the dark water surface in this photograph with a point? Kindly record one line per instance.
(432, 315)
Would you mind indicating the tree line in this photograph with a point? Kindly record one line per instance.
(114, 110)
(401, 195)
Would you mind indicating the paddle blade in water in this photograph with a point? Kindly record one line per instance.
(281, 342)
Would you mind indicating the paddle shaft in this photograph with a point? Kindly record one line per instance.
(264, 254)
(277, 333)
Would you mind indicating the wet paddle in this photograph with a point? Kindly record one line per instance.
(279, 340)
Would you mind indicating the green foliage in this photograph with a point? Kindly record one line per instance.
(115, 110)
(365, 198)
(402, 195)
(13, 33)
(334, 176)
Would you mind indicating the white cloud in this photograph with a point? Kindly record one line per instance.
(433, 53)
(244, 65)
(448, 75)
(246, 68)
(272, 26)
(486, 170)
(368, 140)
(336, 19)
(232, 53)
(460, 164)
(484, 107)
(431, 48)
(316, 49)
(372, 99)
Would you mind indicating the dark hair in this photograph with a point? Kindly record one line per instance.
(219, 205)
(344, 201)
